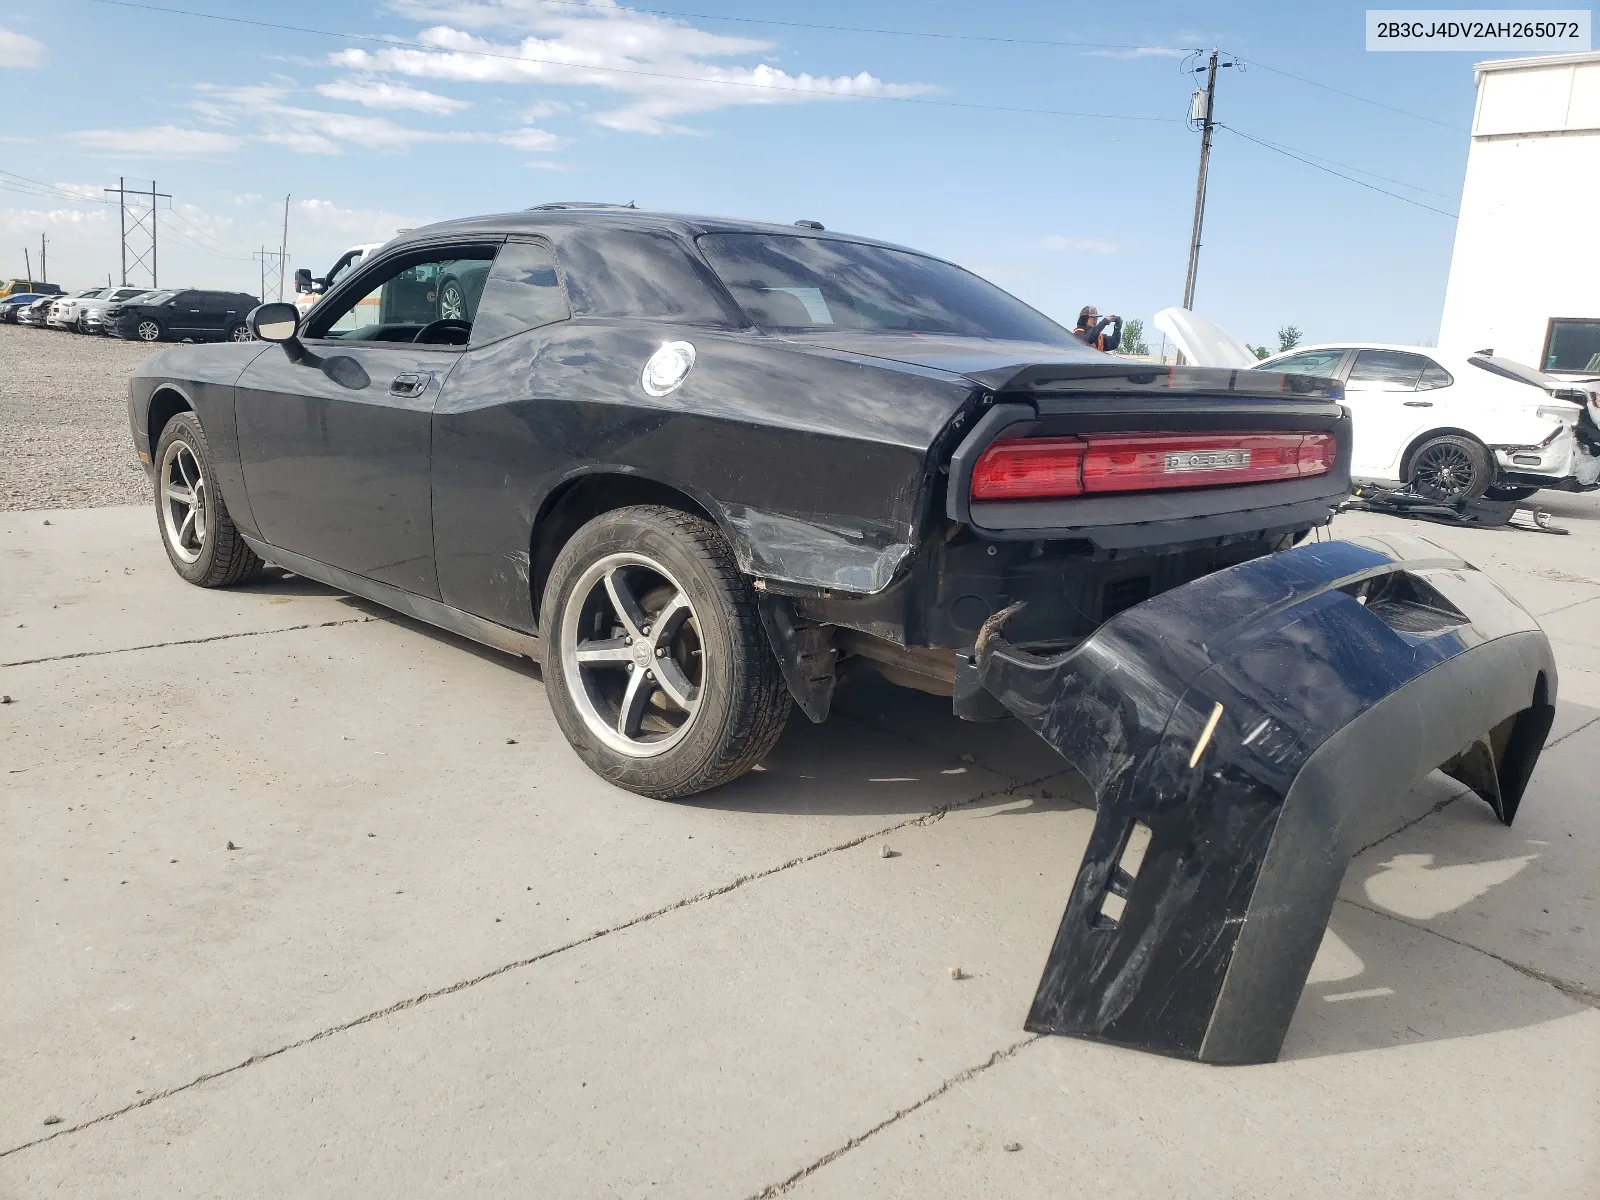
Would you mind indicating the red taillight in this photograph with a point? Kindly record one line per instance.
(1029, 468)
(1041, 468)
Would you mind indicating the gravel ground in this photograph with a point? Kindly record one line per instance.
(64, 420)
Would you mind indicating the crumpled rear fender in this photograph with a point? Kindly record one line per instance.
(1249, 732)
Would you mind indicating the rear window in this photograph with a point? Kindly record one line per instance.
(792, 282)
(1573, 345)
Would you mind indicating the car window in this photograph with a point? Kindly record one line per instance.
(521, 292)
(1434, 376)
(1389, 370)
(1311, 362)
(641, 274)
(1573, 345)
(186, 299)
(792, 282)
(399, 300)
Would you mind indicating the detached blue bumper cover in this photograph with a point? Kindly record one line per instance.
(1249, 731)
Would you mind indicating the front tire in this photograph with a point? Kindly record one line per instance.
(200, 539)
(658, 669)
(1449, 468)
(148, 330)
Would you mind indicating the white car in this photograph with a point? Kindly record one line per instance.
(1453, 425)
(63, 313)
(90, 310)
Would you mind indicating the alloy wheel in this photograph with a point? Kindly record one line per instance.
(183, 500)
(149, 331)
(241, 333)
(1443, 472)
(632, 655)
(452, 305)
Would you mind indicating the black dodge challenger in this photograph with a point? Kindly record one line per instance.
(698, 465)
(701, 468)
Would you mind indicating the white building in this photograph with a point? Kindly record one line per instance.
(1525, 274)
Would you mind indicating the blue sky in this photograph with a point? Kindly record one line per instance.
(864, 131)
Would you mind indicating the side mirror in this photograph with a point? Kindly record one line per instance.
(276, 322)
(302, 280)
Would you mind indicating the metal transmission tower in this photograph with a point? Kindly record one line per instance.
(1201, 116)
(139, 206)
(271, 263)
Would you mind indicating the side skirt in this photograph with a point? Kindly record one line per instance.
(431, 612)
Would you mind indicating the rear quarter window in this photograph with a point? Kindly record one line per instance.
(647, 275)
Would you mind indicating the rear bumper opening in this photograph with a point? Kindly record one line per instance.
(1244, 735)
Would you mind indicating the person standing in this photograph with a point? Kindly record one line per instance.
(1092, 329)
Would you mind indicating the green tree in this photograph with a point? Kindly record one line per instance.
(1258, 351)
(1288, 338)
(1133, 338)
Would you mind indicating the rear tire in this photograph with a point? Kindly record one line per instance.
(1449, 468)
(712, 701)
(1509, 493)
(239, 332)
(200, 539)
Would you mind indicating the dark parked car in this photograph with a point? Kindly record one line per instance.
(698, 468)
(188, 315)
(12, 305)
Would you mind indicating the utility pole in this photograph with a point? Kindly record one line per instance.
(44, 270)
(270, 260)
(27, 263)
(132, 231)
(1202, 110)
(283, 247)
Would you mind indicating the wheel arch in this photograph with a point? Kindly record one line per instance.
(166, 402)
(576, 501)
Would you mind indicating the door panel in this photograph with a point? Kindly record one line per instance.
(336, 450)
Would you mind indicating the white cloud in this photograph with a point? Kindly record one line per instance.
(157, 141)
(530, 139)
(269, 110)
(665, 67)
(377, 93)
(20, 50)
(1143, 52)
(1079, 245)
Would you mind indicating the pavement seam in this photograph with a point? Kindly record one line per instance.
(921, 819)
(1552, 612)
(219, 637)
(972, 1072)
(1570, 732)
(1437, 808)
(1569, 989)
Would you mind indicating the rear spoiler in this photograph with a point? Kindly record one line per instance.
(1153, 378)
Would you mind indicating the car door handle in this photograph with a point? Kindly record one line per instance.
(409, 385)
(1419, 403)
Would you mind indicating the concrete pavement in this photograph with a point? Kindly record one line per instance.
(446, 959)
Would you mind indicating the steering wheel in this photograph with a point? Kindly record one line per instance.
(448, 325)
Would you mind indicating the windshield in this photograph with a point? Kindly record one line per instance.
(789, 282)
(153, 298)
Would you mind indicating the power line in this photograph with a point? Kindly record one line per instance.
(1332, 162)
(1351, 95)
(1331, 171)
(392, 44)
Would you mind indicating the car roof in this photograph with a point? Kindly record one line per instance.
(618, 217)
(1353, 345)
